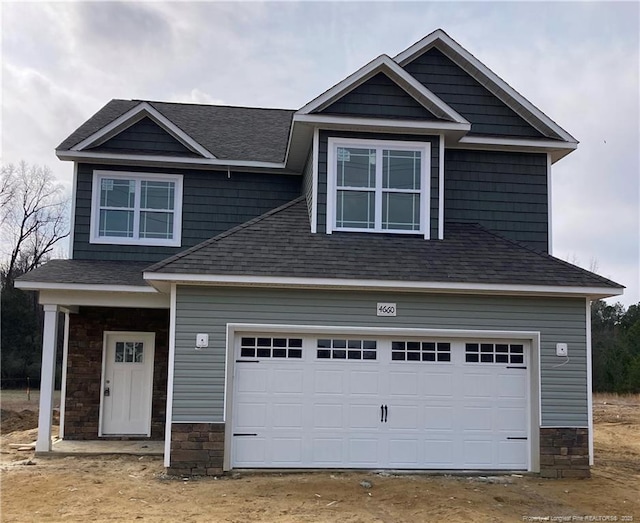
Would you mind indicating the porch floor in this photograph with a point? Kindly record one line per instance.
(96, 448)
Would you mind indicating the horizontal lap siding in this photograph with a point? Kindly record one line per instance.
(379, 97)
(322, 170)
(486, 113)
(199, 375)
(307, 183)
(212, 204)
(147, 137)
(504, 192)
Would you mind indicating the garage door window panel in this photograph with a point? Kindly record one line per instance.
(494, 353)
(427, 351)
(344, 349)
(261, 347)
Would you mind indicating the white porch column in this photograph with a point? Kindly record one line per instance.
(47, 377)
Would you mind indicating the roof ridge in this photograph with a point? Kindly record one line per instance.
(163, 263)
(546, 255)
(210, 105)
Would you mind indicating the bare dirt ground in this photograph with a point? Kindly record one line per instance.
(133, 488)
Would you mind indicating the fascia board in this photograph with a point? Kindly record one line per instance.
(404, 80)
(440, 38)
(92, 287)
(158, 159)
(406, 286)
(346, 121)
(555, 148)
(132, 116)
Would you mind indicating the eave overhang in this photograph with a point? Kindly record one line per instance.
(163, 281)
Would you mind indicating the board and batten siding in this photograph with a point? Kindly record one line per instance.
(379, 97)
(486, 113)
(213, 203)
(200, 375)
(502, 191)
(322, 169)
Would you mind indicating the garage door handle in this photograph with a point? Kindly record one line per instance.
(381, 413)
(385, 413)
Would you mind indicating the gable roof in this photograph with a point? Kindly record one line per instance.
(279, 244)
(384, 64)
(491, 81)
(225, 132)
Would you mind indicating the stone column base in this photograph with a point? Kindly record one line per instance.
(564, 453)
(197, 449)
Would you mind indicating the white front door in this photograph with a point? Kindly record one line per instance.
(367, 402)
(127, 385)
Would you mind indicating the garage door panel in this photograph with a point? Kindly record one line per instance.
(328, 416)
(329, 382)
(319, 411)
(289, 381)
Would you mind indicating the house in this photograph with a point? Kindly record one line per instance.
(365, 282)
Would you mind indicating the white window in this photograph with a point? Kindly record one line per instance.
(130, 208)
(378, 186)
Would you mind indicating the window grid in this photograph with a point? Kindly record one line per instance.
(429, 351)
(344, 349)
(494, 353)
(264, 347)
(397, 206)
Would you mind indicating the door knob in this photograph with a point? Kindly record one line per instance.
(107, 391)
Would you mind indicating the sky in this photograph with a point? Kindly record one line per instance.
(576, 61)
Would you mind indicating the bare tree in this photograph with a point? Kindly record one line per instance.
(33, 218)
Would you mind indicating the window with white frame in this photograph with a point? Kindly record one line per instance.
(378, 186)
(136, 208)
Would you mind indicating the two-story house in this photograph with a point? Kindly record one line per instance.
(364, 282)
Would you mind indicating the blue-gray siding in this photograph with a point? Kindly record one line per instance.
(487, 114)
(212, 204)
(322, 170)
(200, 375)
(147, 137)
(307, 182)
(504, 192)
(379, 97)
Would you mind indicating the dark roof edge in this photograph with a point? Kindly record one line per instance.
(604, 280)
(157, 266)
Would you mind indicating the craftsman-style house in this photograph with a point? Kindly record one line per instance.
(365, 282)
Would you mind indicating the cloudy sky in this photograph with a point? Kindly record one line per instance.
(578, 62)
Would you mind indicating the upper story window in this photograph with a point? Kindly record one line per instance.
(377, 186)
(136, 208)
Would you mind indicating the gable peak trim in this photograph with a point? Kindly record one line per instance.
(487, 78)
(384, 64)
(134, 115)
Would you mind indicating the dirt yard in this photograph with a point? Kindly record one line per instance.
(132, 488)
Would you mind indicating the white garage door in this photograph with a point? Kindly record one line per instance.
(365, 402)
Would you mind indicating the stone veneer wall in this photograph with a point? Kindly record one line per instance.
(564, 453)
(197, 449)
(84, 366)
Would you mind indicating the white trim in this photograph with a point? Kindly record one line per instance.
(92, 287)
(425, 183)
(563, 427)
(134, 115)
(379, 123)
(138, 178)
(518, 142)
(441, 188)
(47, 377)
(589, 381)
(104, 299)
(488, 78)
(549, 207)
(63, 384)
(170, 373)
(400, 285)
(72, 217)
(162, 160)
(105, 340)
(402, 79)
(314, 179)
(533, 377)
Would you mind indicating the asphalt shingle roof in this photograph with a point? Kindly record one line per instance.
(88, 272)
(279, 243)
(229, 133)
